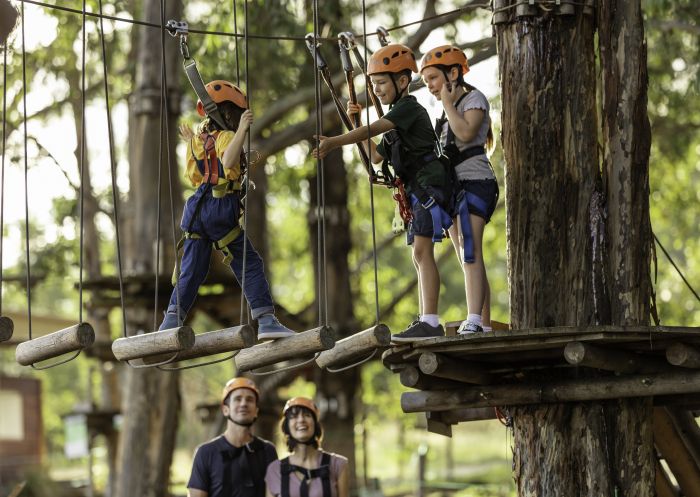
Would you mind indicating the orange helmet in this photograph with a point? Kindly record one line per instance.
(223, 91)
(392, 58)
(445, 55)
(302, 402)
(235, 384)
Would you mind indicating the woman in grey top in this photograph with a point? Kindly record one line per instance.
(465, 134)
(308, 471)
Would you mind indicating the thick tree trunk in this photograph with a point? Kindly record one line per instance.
(557, 271)
(151, 400)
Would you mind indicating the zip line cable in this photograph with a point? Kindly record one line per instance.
(113, 171)
(244, 307)
(2, 167)
(466, 8)
(680, 273)
(83, 139)
(371, 190)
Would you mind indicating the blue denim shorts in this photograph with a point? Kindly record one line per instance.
(422, 222)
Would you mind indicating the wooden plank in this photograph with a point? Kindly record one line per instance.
(411, 377)
(6, 328)
(671, 447)
(688, 429)
(621, 361)
(216, 342)
(455, 416)
(299, 345)
(555, 392)
(443, 367)
(683, 355)
(153, 343)
(355, 346)
(664, 487)
(435, 424)
(55, 344)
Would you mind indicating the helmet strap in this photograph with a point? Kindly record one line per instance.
(399, 93)
(246, 425)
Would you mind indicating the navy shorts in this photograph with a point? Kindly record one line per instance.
(422, 222)
(487, 191)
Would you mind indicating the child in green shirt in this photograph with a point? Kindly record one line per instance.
(409, 144)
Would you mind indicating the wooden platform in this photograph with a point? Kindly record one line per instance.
(459, 376)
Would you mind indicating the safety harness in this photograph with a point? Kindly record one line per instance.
(216, 183)
(251, 458)
(323, 472)
(406, 166)
(465, 201)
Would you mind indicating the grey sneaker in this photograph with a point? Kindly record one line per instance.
(269, 328)
(171, 321)
(467, 328)
(418, 330)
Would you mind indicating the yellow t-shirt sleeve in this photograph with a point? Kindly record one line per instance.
(191, 171)
(222, 142)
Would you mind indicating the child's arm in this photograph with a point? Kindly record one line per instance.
(329, 143)
(464, 126)
(369, 146)
(232, 154)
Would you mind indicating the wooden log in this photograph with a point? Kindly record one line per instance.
(664, 487)
(455, 416)
(299, 345)
(671, 447)
(621, 361)
(55, 344)
(683, 355)
(555, 392)
(412, 377)
(219, 341)
(444, 367)
(153, 343)
(688, 429)
(355, 346)
(6, 328)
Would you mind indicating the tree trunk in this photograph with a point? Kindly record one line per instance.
(555, 210)
(151, 396)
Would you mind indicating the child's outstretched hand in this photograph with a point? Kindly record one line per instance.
(186, 132)
(354, 108)
(246, 120)
(325, 145)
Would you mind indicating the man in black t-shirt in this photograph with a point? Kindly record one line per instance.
(233, 464)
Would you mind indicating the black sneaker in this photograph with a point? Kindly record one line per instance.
(467, 328)
(418, 330)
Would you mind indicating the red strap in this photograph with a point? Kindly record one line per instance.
(211, 162)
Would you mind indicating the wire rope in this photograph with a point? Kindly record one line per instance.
(371, 190)
(466, 8)
(113, 172)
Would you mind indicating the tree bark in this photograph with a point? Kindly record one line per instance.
(151, 397)
(555, 209)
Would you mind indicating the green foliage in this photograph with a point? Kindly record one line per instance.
(674, 169)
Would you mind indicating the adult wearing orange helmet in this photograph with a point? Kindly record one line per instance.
(465, 134)
(235, 462)
(215, 166)
(308, 471)
(409, 145)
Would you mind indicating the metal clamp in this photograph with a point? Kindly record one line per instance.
(180, 29)
(382, 34)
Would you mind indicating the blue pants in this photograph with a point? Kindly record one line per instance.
(212, 219)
